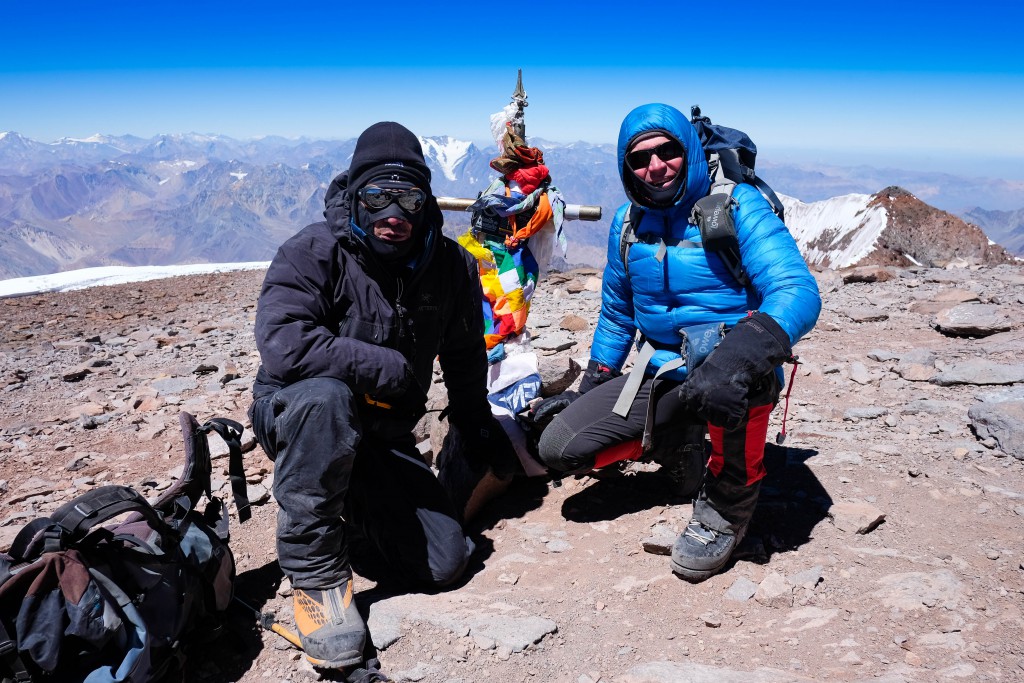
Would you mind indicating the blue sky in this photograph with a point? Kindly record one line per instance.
(913, 85)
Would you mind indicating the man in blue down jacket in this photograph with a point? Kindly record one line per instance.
(352, 313)
(668, 288)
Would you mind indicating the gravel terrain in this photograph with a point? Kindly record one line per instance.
(886, 546)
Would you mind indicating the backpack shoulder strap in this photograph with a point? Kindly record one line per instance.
(195, 477)
(28, 544)
(78, 516)
(720, 181)
(231, 432)
(725, 163)
(777, 207)
(713, 216)
(627, 238)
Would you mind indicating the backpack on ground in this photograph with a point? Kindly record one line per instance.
(111, 588)
(730, 155)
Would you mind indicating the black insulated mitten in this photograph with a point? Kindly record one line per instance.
(717, 389)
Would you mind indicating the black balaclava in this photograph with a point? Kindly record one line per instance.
(389, 155)
(649, 195)
(391, 252)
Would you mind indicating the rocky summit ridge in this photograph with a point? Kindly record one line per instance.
(886, 545)
(891, 227)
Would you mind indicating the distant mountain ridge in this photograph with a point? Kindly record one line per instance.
(191, 198)
(1005, 227)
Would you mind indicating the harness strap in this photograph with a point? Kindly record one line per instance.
(636, 378)
(645, 441)
(632, 387)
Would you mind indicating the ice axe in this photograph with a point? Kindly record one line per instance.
(268, 621)
(368, 673)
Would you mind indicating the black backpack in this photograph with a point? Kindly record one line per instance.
(730, 155)
(85, 597)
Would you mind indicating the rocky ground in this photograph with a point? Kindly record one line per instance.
(886, 545)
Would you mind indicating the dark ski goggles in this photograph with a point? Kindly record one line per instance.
(377, 198)
(666, 151)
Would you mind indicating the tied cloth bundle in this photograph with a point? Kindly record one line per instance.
(524, 166)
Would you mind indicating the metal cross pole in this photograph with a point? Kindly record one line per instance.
(582, 212)
(573, 212)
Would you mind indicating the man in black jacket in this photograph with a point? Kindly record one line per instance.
(352, 313)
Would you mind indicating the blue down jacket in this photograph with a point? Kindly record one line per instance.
(691, 286)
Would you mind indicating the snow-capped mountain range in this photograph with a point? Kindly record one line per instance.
(890, 227)
(190, 198)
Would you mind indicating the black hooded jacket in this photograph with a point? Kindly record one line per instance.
(330, 308)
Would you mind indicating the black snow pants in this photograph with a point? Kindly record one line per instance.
(734, 469)
(353, 498)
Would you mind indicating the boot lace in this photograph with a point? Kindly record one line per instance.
(701, 533)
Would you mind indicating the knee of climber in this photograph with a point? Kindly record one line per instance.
(552, 445)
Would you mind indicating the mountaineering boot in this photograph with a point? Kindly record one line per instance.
(330, 627)
(721, 514)
(700, 551)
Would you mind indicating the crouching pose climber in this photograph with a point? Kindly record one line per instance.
(712, 341)
(352, 313)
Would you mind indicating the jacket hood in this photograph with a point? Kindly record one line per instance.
(665, 119)
(339, 212)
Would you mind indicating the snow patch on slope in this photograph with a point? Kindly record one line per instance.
(446, 151)
(113, 275)
(836, 232)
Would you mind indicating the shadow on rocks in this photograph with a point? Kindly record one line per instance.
(791, 504)
(614, 494)
(233, 653)
(523, 495)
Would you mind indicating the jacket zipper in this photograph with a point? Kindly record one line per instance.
(400, 312)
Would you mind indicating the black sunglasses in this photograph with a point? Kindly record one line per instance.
(666, 151)
(377, 198)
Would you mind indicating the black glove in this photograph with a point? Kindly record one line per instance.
(536, 419)
(595, 375)
(544, 412)
(406, 405)
(717, 389)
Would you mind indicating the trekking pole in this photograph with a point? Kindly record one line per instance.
(268, 621)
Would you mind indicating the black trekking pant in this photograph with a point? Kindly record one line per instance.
(735, 468)
(349, 498)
